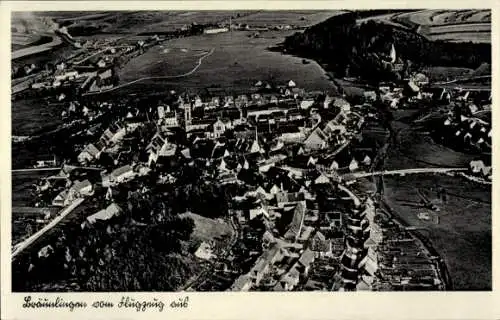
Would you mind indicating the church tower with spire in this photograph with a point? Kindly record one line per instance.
(187, 114)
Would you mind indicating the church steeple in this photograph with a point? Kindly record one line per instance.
(187, 114)
(393, 54)
(255, 146)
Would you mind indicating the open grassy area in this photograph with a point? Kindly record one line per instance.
(445, 73)
(21, 186)
(463, 235)
(161, 61)
(30, 115)
(238, 61)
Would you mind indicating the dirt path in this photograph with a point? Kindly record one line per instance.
(200, 60)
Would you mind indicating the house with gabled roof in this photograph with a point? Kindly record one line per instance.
(316, 140)
(297, 223)
(306, 103)
(320, 245)
(118, 175)
(305, 261)
(290, 280)
(242, 283)
(88, 154)
(62, 199)
(81, 188)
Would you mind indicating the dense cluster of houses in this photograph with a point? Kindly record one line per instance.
(280, 144)
(228, 136)
(87, 70)
(469, 131)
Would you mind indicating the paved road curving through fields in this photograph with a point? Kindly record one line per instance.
(37, 49)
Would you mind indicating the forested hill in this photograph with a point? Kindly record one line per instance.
(355, 50)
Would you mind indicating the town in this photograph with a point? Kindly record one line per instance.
(273, 189)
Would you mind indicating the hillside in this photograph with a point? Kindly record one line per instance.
(352, 49)
(124, 22)
(450, 25)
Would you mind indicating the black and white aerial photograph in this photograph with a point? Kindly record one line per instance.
(251, 150)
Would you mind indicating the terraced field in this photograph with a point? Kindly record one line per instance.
(163, 21)
(296, 18)
(441, 17)
(450, 25)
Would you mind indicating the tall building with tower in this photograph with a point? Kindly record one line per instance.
(187, 113)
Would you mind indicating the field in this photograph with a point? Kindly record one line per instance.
(23, 40)
(162, 60)
(31, 34)
(55, 53)
(463, 235)
(29, 116)
(161, 21)
(238, 61)
(440, 17)
(21, 185)
(418, 150)
(24, 22)
(450, 25)
(446, 73)
(296, 18)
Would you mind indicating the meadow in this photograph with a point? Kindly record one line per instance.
(237, 62)
(31, 115)
(463, 235)
(159, 61)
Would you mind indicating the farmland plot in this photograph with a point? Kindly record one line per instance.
(455, 26)
(297, 18)
(440, 17)
(237, 62)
